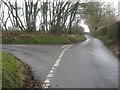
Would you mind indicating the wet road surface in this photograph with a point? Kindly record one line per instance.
(88, 64)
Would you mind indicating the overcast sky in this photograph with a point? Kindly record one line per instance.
(115, 3)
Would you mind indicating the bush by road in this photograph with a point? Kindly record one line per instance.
(109, 33)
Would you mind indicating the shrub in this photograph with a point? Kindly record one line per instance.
(102, 30)
(110, 32)
(77, 30)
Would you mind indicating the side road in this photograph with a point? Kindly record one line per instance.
(39, 57)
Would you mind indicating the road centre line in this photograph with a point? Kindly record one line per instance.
(46, 83)
(64, 46)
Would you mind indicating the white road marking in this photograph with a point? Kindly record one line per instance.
(49, 75)
(58, 60)
(46, 86)
(61, 56)
(51, 71)
(53, 68)
(64, 46)
(46, 83)
(19, 45)
(56, 65)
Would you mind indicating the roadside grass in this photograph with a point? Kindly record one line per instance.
(20, 37)
(109, 33)
(12, 72)
(107, 40)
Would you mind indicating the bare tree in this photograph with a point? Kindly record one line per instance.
(54, 16)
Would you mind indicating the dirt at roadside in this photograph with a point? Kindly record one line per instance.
(31, 81)
(115, 49)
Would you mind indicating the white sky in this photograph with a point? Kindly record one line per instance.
(114, 2)
(86, 29)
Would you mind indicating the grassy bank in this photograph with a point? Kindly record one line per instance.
(107, 40)
(15, 74)
(21, 37)
(109, 34)
(12, 72)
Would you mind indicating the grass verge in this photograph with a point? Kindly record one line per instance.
(109, 33)
(107, 40)
(12, 72)
(15, 74)
(20, 37)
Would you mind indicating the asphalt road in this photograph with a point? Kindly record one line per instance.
(88, 64)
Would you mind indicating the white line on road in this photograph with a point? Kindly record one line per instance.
(49, 75)
(64, 46)
(19, 45)
(46, 83)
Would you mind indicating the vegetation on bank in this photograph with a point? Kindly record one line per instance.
(16, 74)
(22, 37)
(109, 33)
(12, 72)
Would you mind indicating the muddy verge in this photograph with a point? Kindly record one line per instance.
(115, 49)
(31, 80)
